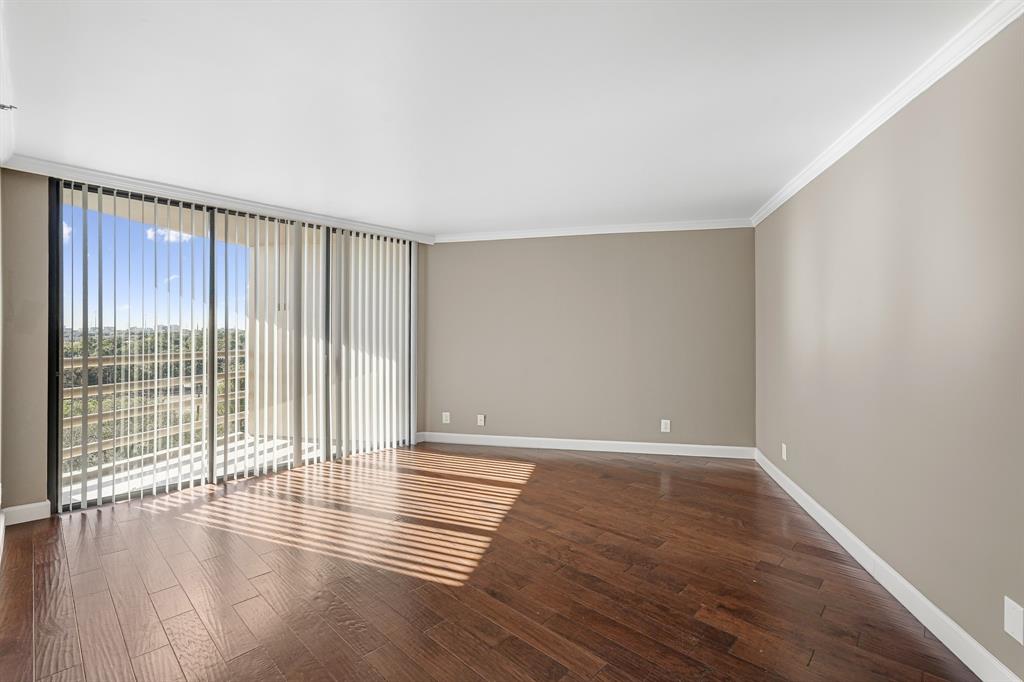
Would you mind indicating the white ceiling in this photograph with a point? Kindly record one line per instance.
(463, 117)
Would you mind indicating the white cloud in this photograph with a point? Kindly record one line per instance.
(66, 231)
(167, 235)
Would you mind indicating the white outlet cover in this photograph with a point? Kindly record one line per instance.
(666, 425)
(1013, 619)
(481, 419)
(446, 417)
(785, 455)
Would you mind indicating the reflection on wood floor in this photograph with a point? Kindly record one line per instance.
(456, 563)
(427, 524)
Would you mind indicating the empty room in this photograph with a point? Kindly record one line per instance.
(528, 340)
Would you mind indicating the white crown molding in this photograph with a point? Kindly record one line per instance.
(33, 511)
(948, 631)
(30, 164)
(675, 226)
(982, 28)
(622, 446)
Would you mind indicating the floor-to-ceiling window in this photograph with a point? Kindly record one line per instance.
(199, 344)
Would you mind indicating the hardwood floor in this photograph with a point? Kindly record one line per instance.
(456, 563)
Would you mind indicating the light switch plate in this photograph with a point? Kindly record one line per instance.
(1013, 619)
(481, 419)
(785, 455)
(446, 417)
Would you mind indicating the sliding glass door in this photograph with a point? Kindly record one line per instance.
(269, 288)
(369, 311)
(199, 345)
(134, 338)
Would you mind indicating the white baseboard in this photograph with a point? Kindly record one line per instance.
(624, 446)
(2, 526)
(33, 511)
(966, 648)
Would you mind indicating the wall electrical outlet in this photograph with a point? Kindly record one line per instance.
(446, 417)
(785, 455)
(1013, 619)
(666, 425)
(481, 419)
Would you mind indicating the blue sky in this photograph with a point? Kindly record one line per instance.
(147, 270)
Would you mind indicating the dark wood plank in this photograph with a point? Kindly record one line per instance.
(458, 613)
(158, 665)
(790, 574)
(104, 653)
(286, 651)
(336, 609)
(569, 654)
(76, 674)
(254, 666)
(147, 557)
(394, 666)
(81, 552)
(170, 602)
(196, 653)
(89, 582)
(759, 647)
(56, 640)
(486, 660)
(621, 658)
(16, 605)
(139, 621)
(329, 647)
(213, 607)
(428, 655)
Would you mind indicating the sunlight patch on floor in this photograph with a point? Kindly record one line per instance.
(417, 513)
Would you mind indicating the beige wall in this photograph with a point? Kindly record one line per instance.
(25, 303)
(890, 340)
(595, 337)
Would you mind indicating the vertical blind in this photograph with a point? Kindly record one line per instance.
(369, 387)
(200, 344)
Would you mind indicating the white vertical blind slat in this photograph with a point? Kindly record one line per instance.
(83, 465)
(99, 347)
